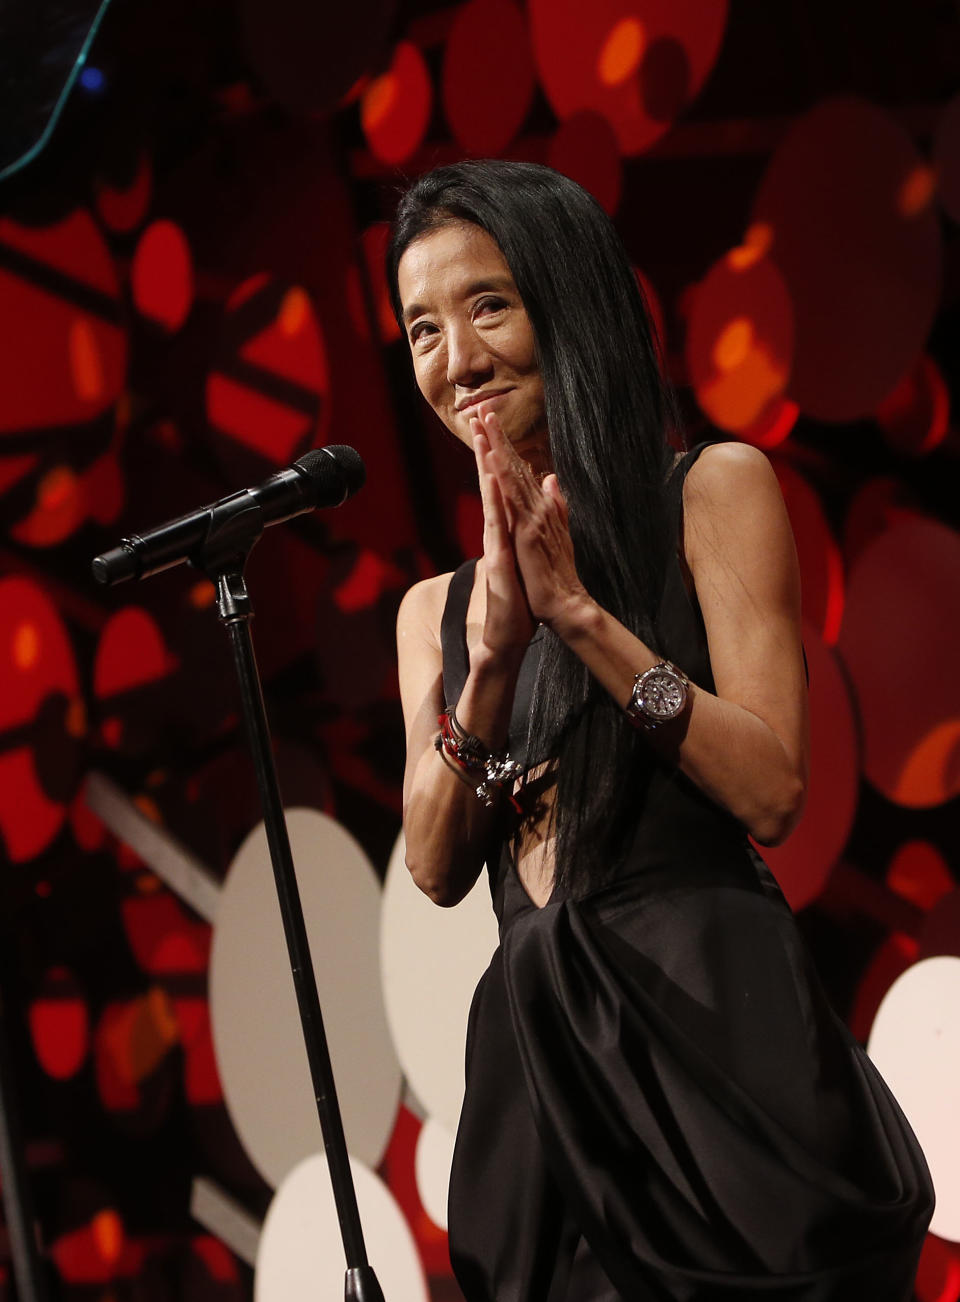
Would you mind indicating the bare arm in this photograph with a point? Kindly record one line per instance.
(746, 746)
(446, 826)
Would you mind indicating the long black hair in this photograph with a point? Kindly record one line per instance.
(608, 413)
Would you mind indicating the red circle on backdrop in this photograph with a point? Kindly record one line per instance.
(900, 641)
(774, 426)
(59, 508)
(919, 873)
(487, 76)
(821, 563)
(396, 106)
(36, 665)
(84, 350)
(585, 149)
(131, 653)
(270, 390)
(803, 863)
(161, 276)
(915, 417)
(859, 248)
(60, 1024)
(123, 208)
(946, 158)
(938, 1272)
(740, 340)
(637, 62)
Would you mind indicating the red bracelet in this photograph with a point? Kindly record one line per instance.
(474, 760)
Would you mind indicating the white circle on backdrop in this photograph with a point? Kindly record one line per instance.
(431, 960)
(434, 1157)
(257, 1034)
(915, 1043)
(300, 1254)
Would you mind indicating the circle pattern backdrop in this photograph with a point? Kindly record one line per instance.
(905, 681)
(639, 63)
(256, 1025)
(431, 960)
(857, 239)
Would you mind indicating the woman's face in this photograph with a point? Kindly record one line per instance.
(470, 335)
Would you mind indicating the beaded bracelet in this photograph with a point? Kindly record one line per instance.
(472, 759)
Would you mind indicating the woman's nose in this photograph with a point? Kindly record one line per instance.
(468, 362)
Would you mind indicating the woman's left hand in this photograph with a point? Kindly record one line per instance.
(538, 523)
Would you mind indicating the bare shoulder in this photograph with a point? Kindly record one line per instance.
(723, 472)
(736, 532)
(422, 608)
(731, 490)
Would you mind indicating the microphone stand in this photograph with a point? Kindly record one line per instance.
(28, 1269)
(234, 529)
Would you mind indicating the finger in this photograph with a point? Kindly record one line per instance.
(551, 487)
(496, 521)
(513, 474)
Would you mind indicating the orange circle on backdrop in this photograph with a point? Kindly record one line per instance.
(585, 149)
(900, 641)
(488, 77)
(804, 862)
(946, 158)
(637, 62)
(395, 107)
(821, 562)
(739, 346)
(162, 275)
(862, 264)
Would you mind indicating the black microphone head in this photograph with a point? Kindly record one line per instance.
(336, 472)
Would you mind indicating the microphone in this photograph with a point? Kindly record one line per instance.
(324, 477)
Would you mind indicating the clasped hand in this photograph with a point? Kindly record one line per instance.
(528, 555)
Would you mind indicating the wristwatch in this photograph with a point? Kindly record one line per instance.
(658, 695)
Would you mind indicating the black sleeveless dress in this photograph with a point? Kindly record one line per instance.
(660, 1104)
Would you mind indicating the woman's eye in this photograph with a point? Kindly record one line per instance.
(421, 329)
(487, 305)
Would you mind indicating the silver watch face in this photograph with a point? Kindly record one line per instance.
(663, 694)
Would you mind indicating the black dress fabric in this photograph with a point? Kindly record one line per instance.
(660, 1104)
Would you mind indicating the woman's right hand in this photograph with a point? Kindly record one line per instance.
(508, 625)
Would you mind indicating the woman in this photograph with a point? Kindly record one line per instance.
(659, 1103)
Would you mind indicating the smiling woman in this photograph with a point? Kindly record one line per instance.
(470, 336)
(659, 1102)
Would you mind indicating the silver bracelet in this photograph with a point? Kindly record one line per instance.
(473, 759)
